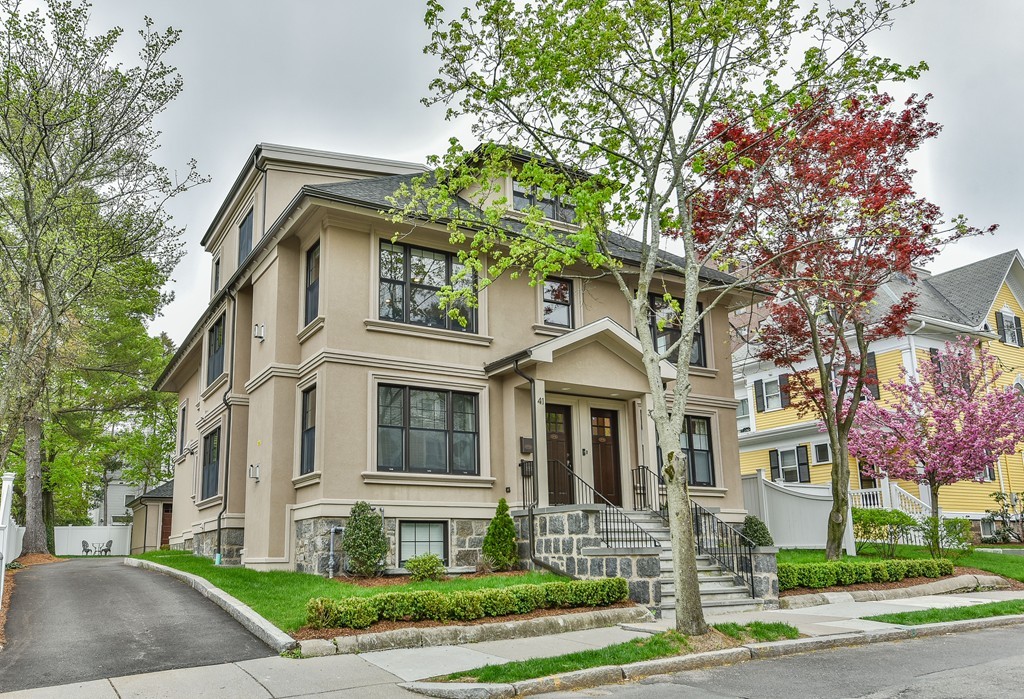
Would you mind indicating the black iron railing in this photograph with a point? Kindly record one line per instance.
(712, 536)
(733, 551)
(565, 487)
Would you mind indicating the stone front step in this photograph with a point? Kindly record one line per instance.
(713, 608)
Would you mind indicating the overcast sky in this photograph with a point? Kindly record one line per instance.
(347, 75)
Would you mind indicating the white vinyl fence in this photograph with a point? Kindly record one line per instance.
(68, 541)
(10, 535)
(796, 514)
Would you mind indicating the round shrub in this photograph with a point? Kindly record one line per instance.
(500, 551)
(757, 531)
(426, 566)
(364, 542)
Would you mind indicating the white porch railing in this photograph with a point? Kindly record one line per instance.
(909, 503)
(867, 498)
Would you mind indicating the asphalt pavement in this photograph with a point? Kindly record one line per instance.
(92, 618)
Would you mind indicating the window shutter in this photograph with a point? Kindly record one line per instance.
(773, 460)
(784, 389)
(1000, 327)
(803, 466)
(872, 375)
(1016, 323)
(934, 355)
(759, 395)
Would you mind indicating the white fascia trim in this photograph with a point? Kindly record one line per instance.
(749, 439)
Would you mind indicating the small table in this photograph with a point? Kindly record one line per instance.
(97, 546)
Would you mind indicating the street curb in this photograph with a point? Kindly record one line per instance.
(608, 674)
(960, 583)
(456, 635)
(242, 613)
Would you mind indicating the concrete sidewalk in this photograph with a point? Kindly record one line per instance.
(376, 675)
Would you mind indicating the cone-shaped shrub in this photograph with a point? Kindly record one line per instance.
(365, 542)
(500, 551)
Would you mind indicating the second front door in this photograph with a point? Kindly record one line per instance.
(604, 436)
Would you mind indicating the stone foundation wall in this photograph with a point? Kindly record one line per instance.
(766, 575)
(232, 543)
(312, 543)
(569, 540)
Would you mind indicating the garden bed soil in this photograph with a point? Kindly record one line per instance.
(29, 559)
(905, 582)
(306, 633)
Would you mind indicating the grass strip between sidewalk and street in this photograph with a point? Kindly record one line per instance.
(1006, 565)
(281, 596)
(662, 645)
(934, 616)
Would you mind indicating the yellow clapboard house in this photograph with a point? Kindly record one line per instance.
(984, 300)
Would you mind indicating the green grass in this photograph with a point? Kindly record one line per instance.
(661, 645)
(1008, 566)
(281, 596)
(933, 616)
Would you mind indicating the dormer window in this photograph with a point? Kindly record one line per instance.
(1009, 328)
(556, 208)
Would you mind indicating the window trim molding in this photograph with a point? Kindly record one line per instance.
(483, 476)
(573, 306)
(778, 385)
(181, 443)
(392, 326)
(300, 479)
(213, 381)
(304, 318)
(219, 490)
(250, 212)
(445, 523)
(814, 453)
(303, 393)
(451, 259)
(704, 331)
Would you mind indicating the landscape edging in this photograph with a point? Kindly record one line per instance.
(959, 583)
(242, 613)
(596, 676)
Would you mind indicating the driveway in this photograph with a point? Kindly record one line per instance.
(91, 618)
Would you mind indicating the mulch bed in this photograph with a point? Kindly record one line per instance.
(306, 633)
(906, 582)
(389, 580)
(29, 559)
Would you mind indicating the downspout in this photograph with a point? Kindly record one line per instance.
(227, 438)
(533, 501)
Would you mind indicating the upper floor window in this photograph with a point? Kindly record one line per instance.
(245, 238)
(556, 208)
(1009, 328)
(427, 431)
(307, 457)
(312, 283)
(790, 465)
(666, 330)
(182, 418)
(696, 443)
(216, 275)
(743, 415)
(410, 279)
(822, 453)
(211, 465)
(558, 302)
(772, 394)
(215, 351)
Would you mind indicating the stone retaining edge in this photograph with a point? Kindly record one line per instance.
(255, 624)
(959, 583)
(593, 677)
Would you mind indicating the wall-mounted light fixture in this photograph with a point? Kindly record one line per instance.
(259, 331)
(254, 472)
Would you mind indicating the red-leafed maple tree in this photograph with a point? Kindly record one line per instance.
(948, 423)
(826, 211)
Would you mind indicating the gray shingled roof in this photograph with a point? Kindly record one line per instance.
(165, 490)
(972, 288)
(374, 192)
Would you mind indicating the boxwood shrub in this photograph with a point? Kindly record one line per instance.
(463, 605)
(836, 573)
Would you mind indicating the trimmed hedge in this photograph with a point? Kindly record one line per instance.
(360, 612)
(833, 573)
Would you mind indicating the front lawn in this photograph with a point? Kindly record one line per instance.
(281, 596)
(1006, 565)
(933, 616)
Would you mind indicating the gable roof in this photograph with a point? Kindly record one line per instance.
(164, 491)
(972, 289)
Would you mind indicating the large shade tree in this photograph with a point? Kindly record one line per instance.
(82, 200)
(825, 209)
(604, 108)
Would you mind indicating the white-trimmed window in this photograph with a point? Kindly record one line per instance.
(128, 498)
(822, 453)
(1008, 327)
(418, 538)
(772, 395)
(743, 415)
(790, 465)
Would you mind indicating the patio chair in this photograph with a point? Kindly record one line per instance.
(106, 547)
(86, 548)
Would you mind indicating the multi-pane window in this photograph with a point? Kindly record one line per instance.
(743, 415)
(556, 208)
(666, 330)
(215, 351)
(245, 238)
(182, 417)
(410, 281)
(1009, 328)
(558, 302)
(417, 538)
(790, 465)
(772, 394)
(211, 464)
(427, 431)
(312, 283)
(696, 443)
(216, 275)
(307, 455)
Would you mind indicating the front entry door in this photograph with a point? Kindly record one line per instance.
(165, 525)
(604, 434)
(560, 480)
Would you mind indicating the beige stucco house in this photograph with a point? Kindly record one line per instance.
(322, 372)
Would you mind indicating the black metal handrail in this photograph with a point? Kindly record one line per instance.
(649, 492)
(617, 529)
(733, 551)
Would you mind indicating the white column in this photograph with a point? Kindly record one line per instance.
(886, 489)
(540, 448)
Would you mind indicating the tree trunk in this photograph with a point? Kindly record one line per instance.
(35, 527)
(689, 613)
(840, 500)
